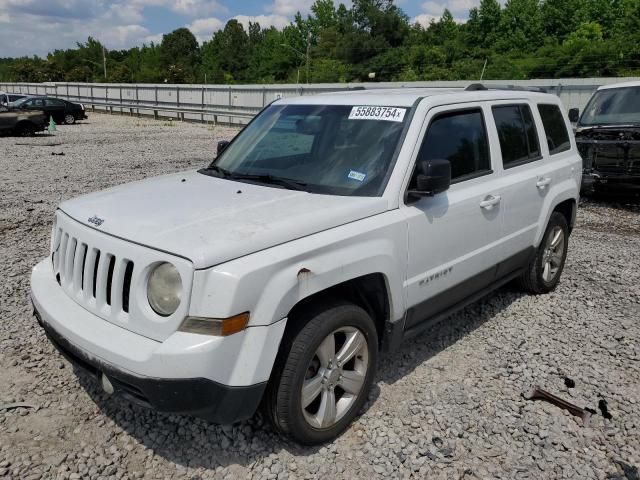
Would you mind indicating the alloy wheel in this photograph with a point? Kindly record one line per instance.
(334, 377)
(553, 254)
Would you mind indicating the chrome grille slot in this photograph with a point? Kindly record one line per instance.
(76, 279)
(110, 268)
(101, 274)
(88, 274)
(126, 286)
(69, 258)
(62, 253)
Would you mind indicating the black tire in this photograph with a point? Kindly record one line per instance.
(25, 129)
(282, 403)
(532, 280)
(69, 119)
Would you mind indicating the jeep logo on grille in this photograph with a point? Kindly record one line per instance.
(96, 220)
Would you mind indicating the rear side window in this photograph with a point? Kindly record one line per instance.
(461, 138)
(517, 134)
(555, 128)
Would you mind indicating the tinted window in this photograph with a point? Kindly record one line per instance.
(517, 134)
(461, 138)
(555, 128)
(54, 102)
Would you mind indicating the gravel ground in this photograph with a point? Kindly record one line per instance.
(448, 405)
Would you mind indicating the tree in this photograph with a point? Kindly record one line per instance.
(179, 50)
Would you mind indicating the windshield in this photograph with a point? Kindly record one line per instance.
(613, 106)
(333, 149)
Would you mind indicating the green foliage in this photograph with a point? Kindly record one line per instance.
(335, 43)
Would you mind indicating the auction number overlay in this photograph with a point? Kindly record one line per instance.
(390, 114)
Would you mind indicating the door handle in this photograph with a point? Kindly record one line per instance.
(489, 201)
(543, 182)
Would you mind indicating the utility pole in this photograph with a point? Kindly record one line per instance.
(483, 69)
(308, 45)
(104, 62)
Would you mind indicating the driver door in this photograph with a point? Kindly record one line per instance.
(454, 237)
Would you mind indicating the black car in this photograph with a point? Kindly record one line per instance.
(62, 111)
(608, 139)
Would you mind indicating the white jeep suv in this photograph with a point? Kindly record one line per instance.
(332, 227)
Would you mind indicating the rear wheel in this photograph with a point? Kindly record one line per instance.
(324, 374)
(543, 272)
(69, 119)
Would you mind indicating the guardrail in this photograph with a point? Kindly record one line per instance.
(181, 112)
(235, 104)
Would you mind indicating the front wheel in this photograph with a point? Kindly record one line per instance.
(69, 119)
(324, 374)
(543, 272)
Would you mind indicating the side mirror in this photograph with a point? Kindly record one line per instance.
(434, 176)
(574, 115)
(222, 146)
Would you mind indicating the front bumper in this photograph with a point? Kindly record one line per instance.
(199, 397)
(594, 180)
(220, 379)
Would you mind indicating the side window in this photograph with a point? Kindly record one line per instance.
(517, 134)
(54, 102)
(555, 128)
(461, 138)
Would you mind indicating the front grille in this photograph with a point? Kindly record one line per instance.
(92, 276)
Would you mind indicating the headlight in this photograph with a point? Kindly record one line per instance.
(164, 289)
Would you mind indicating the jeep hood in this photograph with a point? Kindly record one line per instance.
(212, 220)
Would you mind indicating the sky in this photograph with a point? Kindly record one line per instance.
(36, 27)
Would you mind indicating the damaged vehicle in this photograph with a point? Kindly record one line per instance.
(608, 138)
(21, 123)
(331, 228)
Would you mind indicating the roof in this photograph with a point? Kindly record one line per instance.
(406, 97)
(620, 85)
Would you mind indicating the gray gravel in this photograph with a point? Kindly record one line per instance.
(447, 406)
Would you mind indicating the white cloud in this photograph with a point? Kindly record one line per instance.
(425, 19)
(458, 8)
(156, 39)
(203, 28)
(290, 7)
(189, 8)
(265, 21)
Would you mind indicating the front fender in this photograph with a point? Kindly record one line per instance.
(270, 283)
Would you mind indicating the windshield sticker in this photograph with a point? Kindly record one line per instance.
(390, 114)
(359, 176)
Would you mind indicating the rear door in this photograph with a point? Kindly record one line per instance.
(56, 108)
(454, 237)
(528, 174)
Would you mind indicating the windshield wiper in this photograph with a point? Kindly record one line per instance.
(289, 183)
(223, 173)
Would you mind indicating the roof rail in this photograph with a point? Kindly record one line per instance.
(479, 86)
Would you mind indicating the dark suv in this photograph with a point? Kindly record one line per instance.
(608, 138)
(62, 111)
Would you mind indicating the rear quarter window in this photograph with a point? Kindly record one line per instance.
(555, 128)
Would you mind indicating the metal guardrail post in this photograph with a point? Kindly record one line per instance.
(137, 102)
